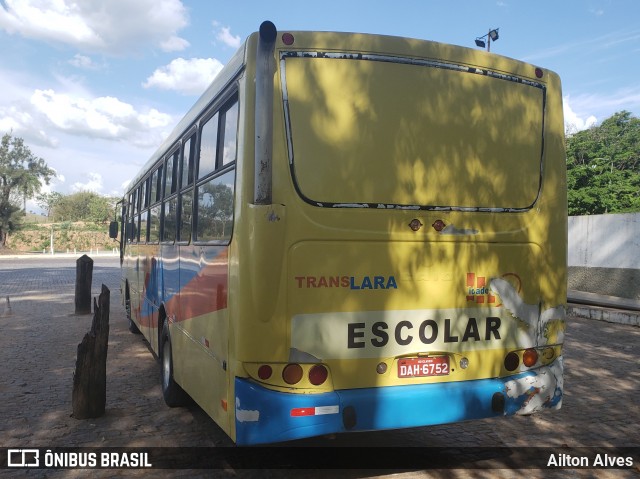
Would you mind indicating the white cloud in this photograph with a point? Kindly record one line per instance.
(77, 132)
(16, 113)
(93, 183)
(101, 117)
(224, 35)
(84, 62)
(174, 44)
(116, 26)
(53, 20)
(20, 121)
(54, 183)
(190, 77)
(574, 123)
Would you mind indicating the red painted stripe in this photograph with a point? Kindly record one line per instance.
(207, 292)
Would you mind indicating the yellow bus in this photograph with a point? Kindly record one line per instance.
(353, 232)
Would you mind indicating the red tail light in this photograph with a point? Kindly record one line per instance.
(511, 361)
(292, 373)
(318, 375)
(530, 357)
(265, 372)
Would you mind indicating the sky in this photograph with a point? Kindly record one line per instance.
(94, 86)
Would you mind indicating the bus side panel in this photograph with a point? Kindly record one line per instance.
(150, 290)
(170, 284)
(199, 332)
(132, 274)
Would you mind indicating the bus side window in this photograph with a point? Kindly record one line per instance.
(138, 214)
(171, 174)
(186, 165)
(208, 147)
(130, 236)
(144, 197)
(154, 224)
(215, 208)
(215, 196)
(169, 210)
(230, 134)
(130, 230)
(186, 214)
(144, 217)
(153, 187)
(169, 213)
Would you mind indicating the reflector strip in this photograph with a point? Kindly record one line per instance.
(314, 411)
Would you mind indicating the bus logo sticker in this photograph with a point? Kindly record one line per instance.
(478, 290)
(350, 282)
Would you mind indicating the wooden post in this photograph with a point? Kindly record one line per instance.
(90, 378)
(84, 276)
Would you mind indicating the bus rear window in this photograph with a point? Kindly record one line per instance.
(386, 133)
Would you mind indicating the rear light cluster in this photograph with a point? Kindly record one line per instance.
(530, 357)
(294, 373)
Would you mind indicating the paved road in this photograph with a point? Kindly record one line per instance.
(39, 336)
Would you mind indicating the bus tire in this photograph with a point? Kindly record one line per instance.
(174, 395)
(127, 305)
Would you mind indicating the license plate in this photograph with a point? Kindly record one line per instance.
(423, 367)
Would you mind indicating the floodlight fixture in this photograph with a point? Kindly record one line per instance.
(491, 36)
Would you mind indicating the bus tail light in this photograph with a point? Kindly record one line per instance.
(318, 374)
(292, 373)
(530, 357)
(310, 376)
(512, 361)
(264, 372)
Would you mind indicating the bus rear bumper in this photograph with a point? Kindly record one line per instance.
(264, 416)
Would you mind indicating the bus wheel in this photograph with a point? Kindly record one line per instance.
(173, 394)
(127, 304)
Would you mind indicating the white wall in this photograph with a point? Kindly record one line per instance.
(604, 254)
(605, 241)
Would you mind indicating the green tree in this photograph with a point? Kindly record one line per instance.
(84, 206)
(21, 174)
(101, 208)
(603, 167)
(48, 201)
